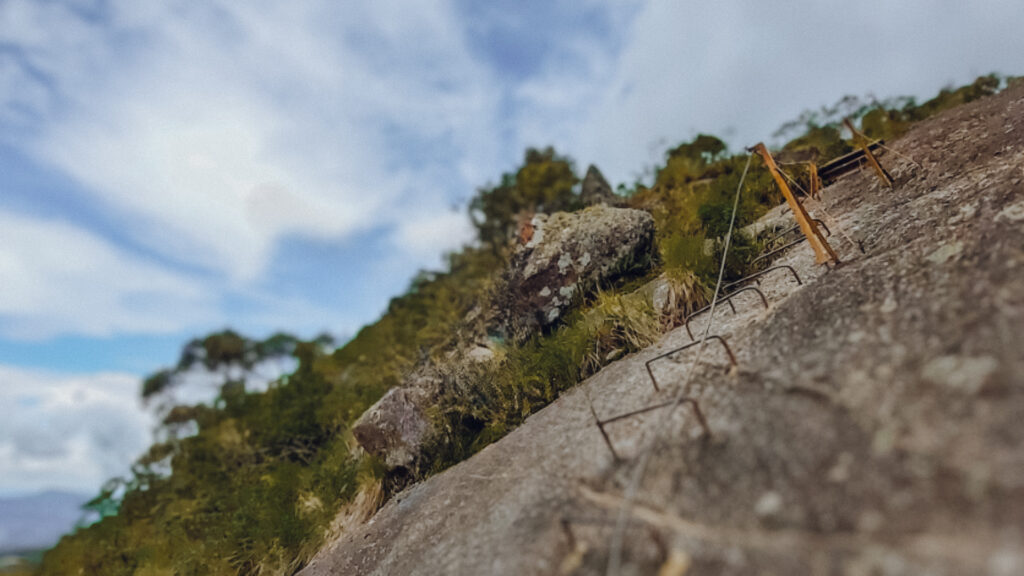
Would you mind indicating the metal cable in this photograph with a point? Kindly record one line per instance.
(615, 554)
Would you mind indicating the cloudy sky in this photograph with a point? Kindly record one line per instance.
(171, 168)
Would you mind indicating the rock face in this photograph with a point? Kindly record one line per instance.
(596, 189)
(569, 254)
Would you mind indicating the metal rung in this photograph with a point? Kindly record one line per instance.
(797, 227)
(732, 358)
(727, 299)
(780, 249)
(604, 434)
(762, 273)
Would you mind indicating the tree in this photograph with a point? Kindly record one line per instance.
(227, 359)
(545, 182)
(689, 161)
(256, 480)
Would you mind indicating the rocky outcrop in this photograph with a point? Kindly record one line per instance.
(568, 255)
(596, 190)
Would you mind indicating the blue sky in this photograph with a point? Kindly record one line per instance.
(172, 168)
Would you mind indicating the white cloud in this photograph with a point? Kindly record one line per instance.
(553, 103)
(213, 131)
(68, 431)
(427, 236)
(58, 278)
(23, 99)
(740, 69)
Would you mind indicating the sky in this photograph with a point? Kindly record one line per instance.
(172, 168)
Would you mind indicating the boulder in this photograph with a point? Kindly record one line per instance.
(396, 426)
(596, 190)
(568, 255)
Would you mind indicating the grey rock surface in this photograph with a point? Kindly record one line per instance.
(395, 427)
(568, 255)
(875, 424)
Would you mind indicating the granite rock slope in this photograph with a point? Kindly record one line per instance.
(875, 423)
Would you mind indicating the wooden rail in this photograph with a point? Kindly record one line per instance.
(843, 165)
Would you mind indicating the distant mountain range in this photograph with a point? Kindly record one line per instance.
(39, 520)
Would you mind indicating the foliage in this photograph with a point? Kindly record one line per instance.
(889, 122)
(691, 218)
(826, 142)
(492, 399)
(689, 161)
(546, 182)
(424, 323)
(254, 489)
(228, 353)
(20, 562)
(248, 493)
(821, 130)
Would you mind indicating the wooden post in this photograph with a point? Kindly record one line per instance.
(862, 142)
(812, 171)
(822, 251)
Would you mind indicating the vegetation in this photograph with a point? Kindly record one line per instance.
(545, 183)
(820, 130)
(249, 492)
(232, 360)
(494, 398)
(255, 485)
(20, 562)
(254, 490)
